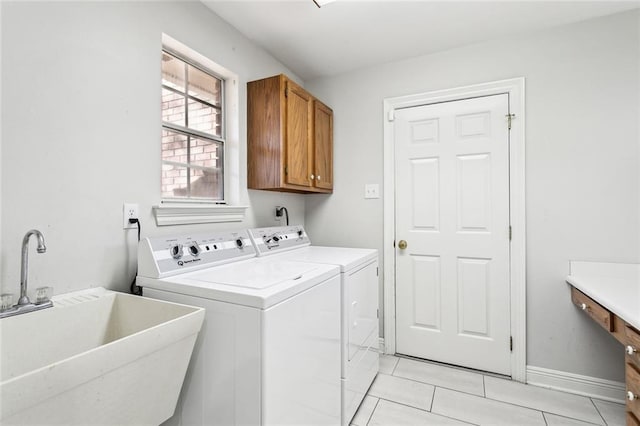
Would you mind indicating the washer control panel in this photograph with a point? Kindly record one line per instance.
(278, 239)
(165, 256)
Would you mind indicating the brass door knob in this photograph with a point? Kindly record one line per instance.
(402, 244)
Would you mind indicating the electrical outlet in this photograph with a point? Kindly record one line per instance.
(371, 190)
(129, 211)
(279, 213)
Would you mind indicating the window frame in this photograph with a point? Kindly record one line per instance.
(191, 133)
(196, 211)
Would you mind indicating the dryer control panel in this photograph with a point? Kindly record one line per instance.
(160, 257)
(277, 239)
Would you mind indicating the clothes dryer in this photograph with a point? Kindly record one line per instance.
(269, 349)
(359, 303)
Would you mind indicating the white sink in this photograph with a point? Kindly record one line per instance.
(96, 357)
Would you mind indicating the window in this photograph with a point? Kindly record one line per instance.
(193, 133)
(200, 117)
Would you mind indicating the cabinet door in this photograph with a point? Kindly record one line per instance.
(298, 135)
(323, 150)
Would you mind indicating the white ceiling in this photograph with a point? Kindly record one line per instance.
(351, 34)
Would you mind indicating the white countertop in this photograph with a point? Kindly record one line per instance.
(616, 286)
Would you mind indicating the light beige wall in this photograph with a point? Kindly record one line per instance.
(81, 131)
(582, 162)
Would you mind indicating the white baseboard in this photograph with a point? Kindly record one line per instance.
(607, 390)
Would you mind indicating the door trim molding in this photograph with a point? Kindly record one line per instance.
(515, 89)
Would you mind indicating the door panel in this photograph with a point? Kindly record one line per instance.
(426, 193)
(323, 161)
(298, 143)
(474, 192)
(426, 291)
(473, 280)
(452, 207)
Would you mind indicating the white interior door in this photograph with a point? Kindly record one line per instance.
(452, 209)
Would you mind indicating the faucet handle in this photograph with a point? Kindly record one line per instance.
(43, 294)
(6, 301)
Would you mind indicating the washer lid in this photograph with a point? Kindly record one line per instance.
(258, 275)
(256, 282)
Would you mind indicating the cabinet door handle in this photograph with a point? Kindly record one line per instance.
(583, 306)
(318, 177)
(631, 396)
(311, 177)
(631, 350)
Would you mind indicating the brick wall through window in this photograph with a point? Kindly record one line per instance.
(192, 134)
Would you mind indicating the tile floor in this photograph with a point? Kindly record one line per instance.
(410, 392)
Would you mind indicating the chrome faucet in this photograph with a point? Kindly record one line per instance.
(24, 305)
(24, 270)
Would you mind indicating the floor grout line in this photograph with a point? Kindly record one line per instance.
(372, 411)
(436, 388)
(484, 387)
(431, 384)
(570, 418)
(484, 393)
(598, 411)
(433, 398)
(542, 411)
(393, 369)
(421, 409)
(545, 419)
(401, 403)
(519, 406)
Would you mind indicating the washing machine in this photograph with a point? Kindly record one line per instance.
(359, 303)
(269, 349)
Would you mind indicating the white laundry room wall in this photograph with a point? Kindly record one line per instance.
(582, 163)
(80, 106)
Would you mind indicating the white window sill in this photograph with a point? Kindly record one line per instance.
(186, 215)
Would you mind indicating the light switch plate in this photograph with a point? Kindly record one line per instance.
(372, 190)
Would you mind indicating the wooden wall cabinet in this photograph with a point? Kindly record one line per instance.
(289, 138)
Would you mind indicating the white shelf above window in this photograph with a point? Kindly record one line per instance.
(168, 214)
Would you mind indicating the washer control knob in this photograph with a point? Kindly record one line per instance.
(240, 243)
(176, 251)
(299, 232)
(194, 249)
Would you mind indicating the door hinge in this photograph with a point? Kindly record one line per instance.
(391, 115)
(510, 233)
(286, 91)
(377, 272)
(377, 313)
(509, 118)
(286, 170)
(511, 343)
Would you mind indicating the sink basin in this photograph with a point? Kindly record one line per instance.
(96, 357)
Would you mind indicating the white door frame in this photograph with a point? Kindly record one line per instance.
(515, 89)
